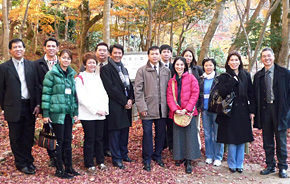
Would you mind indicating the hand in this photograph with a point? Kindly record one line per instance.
(36, 110)
(101, 113)
(46, 120)
(144, 113)
(129, 104)
(75, 118)
(252, 116)
(180, 112)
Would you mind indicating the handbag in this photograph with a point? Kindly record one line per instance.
(183, 120)
(221, 105)
(47, 138)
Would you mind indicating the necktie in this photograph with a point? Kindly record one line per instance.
(101, 65)
(166, 65)
(268, 86)
(21, 74)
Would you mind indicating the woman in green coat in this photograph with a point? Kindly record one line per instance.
(59, 106)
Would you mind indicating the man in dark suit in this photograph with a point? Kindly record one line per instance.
(272, 95)
(19, 98)
(116, 81)
(166, 55)
(43, 65)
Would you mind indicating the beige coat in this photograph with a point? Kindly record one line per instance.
(146, 91)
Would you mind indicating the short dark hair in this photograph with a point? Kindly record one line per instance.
(267, 49)
(102, 44)
(193, 61)
(183, 60)
(234, 53)
(87, 56)
(51, 39)
(66, 51)
(165, 47)
(152, 48)
(117, 46)
(209, 59)
(15, 41)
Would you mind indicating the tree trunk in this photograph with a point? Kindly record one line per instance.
(56, 21)
(275, 28)
(220, 6)
(171, 28)
(248, 26)
(284, 53)
(262, 32)
(106, 22)
(24, 19)
(5, 14)
(66, 25)
(149, 36)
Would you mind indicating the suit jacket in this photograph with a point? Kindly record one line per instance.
(10, 89)
(281, 87)
(117, 118)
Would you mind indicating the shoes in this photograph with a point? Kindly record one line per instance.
(208, 161)
(70, 170)
(127, 159)
(63, 174)
(147, 167)
(92, 169)
(267, 171)
(188, 167)
(217, 163)
(240, 170)
(107, 153)
(31, 166)
(159, 162)
(51, 163)
(26, 170)
(233, 170)
(119, 165)
(171, 150)
(283, 173)
(102, 166)
(179, 162)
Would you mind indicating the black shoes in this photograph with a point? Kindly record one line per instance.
(107, 153)
(159, 162)
(179, 162)
(70, 170)
(27, 170)
(51, 163)
(233, 170)
(188, 167)
(240, 170)
(267, 171)
(147, 167)
(119, 165)
(127, 159)
(283, 173)
(63, 174)
(31, 166)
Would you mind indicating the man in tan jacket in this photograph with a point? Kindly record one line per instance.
(150, 98)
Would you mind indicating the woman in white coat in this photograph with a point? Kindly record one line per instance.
(93, 107)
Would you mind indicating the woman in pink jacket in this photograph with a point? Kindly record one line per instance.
(185, 141)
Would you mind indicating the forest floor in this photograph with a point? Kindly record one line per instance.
(133, 172)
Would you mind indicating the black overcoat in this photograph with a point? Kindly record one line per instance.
(118, 115)
(237, 128)
(281, 87)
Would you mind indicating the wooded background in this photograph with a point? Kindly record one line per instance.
(212, 28)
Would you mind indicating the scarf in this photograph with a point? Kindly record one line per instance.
(210, 76)
(243, 82)
(123, 73)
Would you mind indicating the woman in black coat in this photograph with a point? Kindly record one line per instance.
(193, 68)
(236, 130)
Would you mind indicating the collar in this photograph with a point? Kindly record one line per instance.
(271, 69)
(157, 65)
(45, 58)
(16, 62)
(165, 63)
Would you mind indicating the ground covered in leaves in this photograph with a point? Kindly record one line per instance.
(133, 173)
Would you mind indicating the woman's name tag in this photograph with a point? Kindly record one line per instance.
(67, 91)
(206, 96)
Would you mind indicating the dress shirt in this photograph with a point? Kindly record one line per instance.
(50, 63)
(19, 66)
(157, 67)
(165, 64)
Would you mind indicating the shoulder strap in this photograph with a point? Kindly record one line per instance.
(173, 91)
(82, 79)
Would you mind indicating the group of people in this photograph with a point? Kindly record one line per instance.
(101, 97)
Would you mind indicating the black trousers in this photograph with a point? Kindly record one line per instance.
(169, 133)
(270, 128)
(93, 144)
(21, 134)
(106, 137)
(118, 140)
(63, 134)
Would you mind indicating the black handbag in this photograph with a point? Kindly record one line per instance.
(47, 138)
(221, 105)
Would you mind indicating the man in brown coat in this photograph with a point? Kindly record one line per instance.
(150, 98)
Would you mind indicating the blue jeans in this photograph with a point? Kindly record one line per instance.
(236, 155)
(213, 149)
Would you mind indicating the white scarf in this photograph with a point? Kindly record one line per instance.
(210, 76)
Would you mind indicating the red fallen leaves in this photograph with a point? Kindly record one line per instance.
(133, 172)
